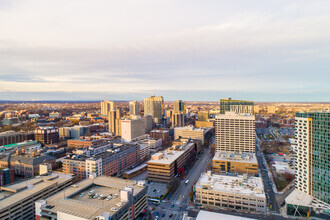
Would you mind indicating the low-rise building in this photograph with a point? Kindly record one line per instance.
(17, 200)
(81, 143)
(190, 132)
(160, 134)
(117, 199)
(240, 193)
(11, 137)
(230, 162)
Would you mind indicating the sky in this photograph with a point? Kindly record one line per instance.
(181, 49)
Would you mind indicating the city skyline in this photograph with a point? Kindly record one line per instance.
(190, 50)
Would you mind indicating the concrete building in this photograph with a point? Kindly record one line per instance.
(179, 106)
(82, 142)
(132, 128)
(117, 199)
(203, 116)
(107, 106)
(235, 132)
(149, 124)
(205, 124)
(47, 135)
(17, 200)
(12, 137)
(240, 193)
(134, 108)
(164, 166)
(178, 119)
(230, 162)
(114, 120)
(237, 106)
(154, 106)
(190, 132)
(64, 132)
(311, 165)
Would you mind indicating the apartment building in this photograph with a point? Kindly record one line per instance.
(154, 106)
(237, 106)
(125, 199)
(132, 128)
(178, 119)
(134, 108)
(235, 132)
(231, 162)
(240, 193)
(107, 106)
(17, 200)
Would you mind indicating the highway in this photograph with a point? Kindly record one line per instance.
(180, 199)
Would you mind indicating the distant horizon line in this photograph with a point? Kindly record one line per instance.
(95, 101)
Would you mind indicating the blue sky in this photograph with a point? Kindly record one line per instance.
(181, 49)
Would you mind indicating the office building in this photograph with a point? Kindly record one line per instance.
(165, 165)
(190, 132)
(237, 163)
(134, 108)
(12, 137)
(178, 106)
(237, 106)
(149, 124)
(178, 119)
(47, 135)
(114, 118)
(81, 143)
(203, 116)
(107, 106)
(240, 193)
(117, 199)
(235, 132)
(154, 106)
(311, 164)
(132, 128)
(17, 200)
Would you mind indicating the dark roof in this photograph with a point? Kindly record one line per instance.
(28, 159)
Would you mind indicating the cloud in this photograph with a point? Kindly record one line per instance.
(146, 46)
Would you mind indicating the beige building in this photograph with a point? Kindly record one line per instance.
(114, 121)
(235, 132)
(203, 116)
(190, 132)
(178, 119)
(230, 162)
(134, 108)
(271, 109)
(164, 166)
(17, 200)
(154, 106)
(116, 199)
(240, 193)
(132, 128)
(107, 106)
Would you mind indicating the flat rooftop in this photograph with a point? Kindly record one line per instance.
(189, 128)
(14, 193)
(165, 157)
(205, 215)
(241, 184)
(238, 157)
(76, 202)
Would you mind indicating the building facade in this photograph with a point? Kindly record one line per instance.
(190, 132)
(134, 108)
(237, 106)
(235, 132)
(178, 106)
(107, 106)
(47, 135)
(154, 106)
(12, 137)
(132, 128)
(178, 119)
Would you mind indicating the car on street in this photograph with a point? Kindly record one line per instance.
(163, 215)
(170, 216)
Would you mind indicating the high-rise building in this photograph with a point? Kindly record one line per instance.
(149, 124)
(114, 117)
(203, 116)
(178, 106)
(107, 106)
(235, 132)
(132, 128)
(237, 106)
(311, 165)
(312, 161)
(154, 106)
(178, 119)
(134, 108)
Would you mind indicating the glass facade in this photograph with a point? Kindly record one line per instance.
(320, 167)
(228, 104)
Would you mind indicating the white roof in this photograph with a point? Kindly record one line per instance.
(242, 185)
(232, 156)
(297, 197)
(205, 215)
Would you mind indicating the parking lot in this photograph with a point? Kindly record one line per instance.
(156, 190)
